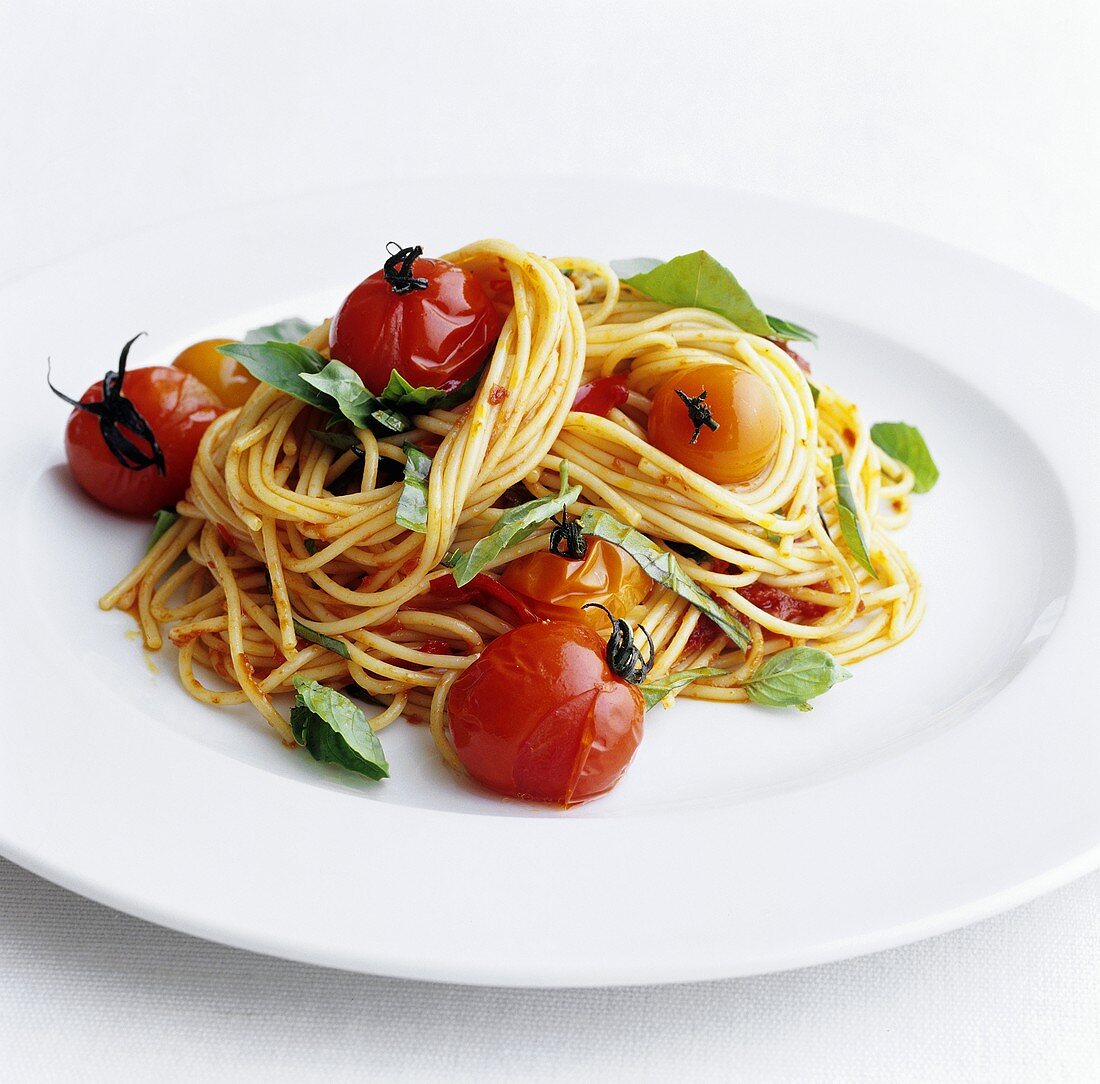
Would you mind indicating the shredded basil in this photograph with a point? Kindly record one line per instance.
(412, 508)
(698, 280)
(849, 519)
(692, 553)
(653, 692)
(513, 527)
(162, 522)
(335, 731)
(338, 647)
(815, 391)
(662, 566)
(290, 330)
(794, 676)
(905, 444)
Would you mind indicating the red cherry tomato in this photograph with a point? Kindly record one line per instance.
(786, 607)
(540, 715)
(436, 336)
(177, 407)
(601, 396)
(558, 589)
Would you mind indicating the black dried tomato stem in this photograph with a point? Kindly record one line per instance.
(567, 532)
(698, 412)
(623, 656)
(116, 413)
(398, 268)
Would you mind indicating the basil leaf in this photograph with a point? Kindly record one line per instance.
(692, 553)
(289, 330)
(163, 520)
(392, 420)
(653, 692)
(401, 395)
(342, 442)
(789, 331)
(283, 366)
(849, 521)
(513, 527)
(662, 566)
(344, 387)
(815, 392)
(311, 548)
(792, 677)
(638, 265)
(412, 508)
(905, 444)
(338, 647)
(335, 731)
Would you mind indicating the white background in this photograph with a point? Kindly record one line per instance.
(975, 122)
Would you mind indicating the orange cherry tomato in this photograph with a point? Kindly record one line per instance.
(429, 320)
(227, 378)
(557, 588)
(139, 476)
(744, 409)
(540, 715)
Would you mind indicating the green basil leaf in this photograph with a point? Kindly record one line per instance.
(289, 330)
(790, 678)
(344, 387)
(162, 521)
(662, 566)
(849, 520)
(638, 265)
(338, 647)
(401, 395)
(391, 420)
(412, 508)
(789, 331)
(283, 366)
(311, 548)
(815, 392)
(513, 527)
(905, 444)
(335, 731)
(692, 553)
(653, 692)
(342, 442)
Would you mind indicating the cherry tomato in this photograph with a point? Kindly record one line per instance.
(480, 589)
(601, 396)
(557, 588)
(744, 408)
(786, 607)
(177, 407)
(227, 378)
(435, 336)
(540, 715)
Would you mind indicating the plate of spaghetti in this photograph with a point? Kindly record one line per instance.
(528, 610)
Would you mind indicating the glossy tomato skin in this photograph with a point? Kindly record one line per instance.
(226, 377)
(178, 408)
(601, 396)
(748, 423)
(540, 716)
(558, 589)
(438, 337)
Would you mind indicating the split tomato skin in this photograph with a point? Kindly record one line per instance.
(178, 408)
(541, 716)
(437, 337)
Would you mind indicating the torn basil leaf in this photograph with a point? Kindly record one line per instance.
(162, 521)
(653, 692)
(289, 330)
(338, 647)
(513, 527)
(335, 731)
(905, 444)
(792, 677)
(692, 553)
(849, 518)
(789, 331)
(662, 566)
(815, 392)
(344, 387)
(401, 395)
(412, 507)
(283, 365)
(697, 280)
(342, 442)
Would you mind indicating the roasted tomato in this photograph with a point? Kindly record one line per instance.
(601, 396)
(540, 715)
(132, 439)
(429, 320)
(786, 607)
(557, 588)
(228, 379)
(719, 421)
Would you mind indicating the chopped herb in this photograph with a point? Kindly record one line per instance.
(849, 519)
(792, 677)
(335, 731)
(653, 692)
(905, 444)
(338, 647)
(311, 545)
(412, 507)
(163, 521)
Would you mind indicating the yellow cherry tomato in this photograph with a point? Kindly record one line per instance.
(742, 407)
(229, 380)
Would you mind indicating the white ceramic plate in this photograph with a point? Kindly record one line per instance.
(951, 778)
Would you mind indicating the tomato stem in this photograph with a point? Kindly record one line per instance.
(398, 268)
(698, 412)
(623, 657)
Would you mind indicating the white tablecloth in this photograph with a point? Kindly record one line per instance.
(975, 122)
